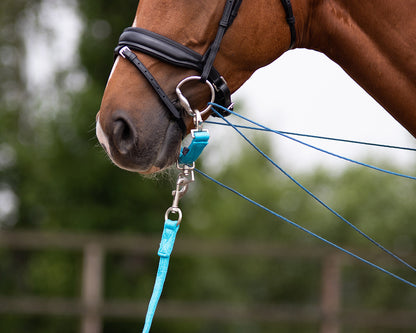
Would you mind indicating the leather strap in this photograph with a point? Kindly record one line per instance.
(290, 19)
(129, 55)
(171, 52)
(228, 16)
(160, 47)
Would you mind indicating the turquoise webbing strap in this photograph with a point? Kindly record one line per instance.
(187, 157)
(191, 153)
(165, 249)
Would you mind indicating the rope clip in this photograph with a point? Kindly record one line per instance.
(185, 177)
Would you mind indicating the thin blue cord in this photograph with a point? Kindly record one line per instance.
(306, 230)
(306, 144)
(379, 145)
(314, 196)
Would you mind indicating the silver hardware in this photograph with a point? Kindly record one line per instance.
(198, 130)
(185, 177)
(184, 101)
(172, 210)
(197, 121)
(122, 50)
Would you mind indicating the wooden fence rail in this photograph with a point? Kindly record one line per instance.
(92, 308)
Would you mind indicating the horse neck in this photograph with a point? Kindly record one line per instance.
(373, 41)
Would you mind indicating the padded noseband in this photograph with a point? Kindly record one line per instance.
(169, 51)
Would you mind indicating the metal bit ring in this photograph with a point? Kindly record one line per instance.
(184, 101)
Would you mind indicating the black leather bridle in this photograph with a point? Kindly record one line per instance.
(172, 52)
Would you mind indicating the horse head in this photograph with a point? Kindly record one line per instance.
(133, 123)
(141, 125)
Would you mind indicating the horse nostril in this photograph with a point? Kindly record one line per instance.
(124, 135)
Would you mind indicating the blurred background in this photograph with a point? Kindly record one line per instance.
(78, 236)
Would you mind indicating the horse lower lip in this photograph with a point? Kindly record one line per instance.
(164, 155)
(169, 149)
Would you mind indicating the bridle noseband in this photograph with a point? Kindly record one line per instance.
(176, 54)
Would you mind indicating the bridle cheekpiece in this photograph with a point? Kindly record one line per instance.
(174, 53)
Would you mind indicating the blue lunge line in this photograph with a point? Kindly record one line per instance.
(313, 195)
(306, 230)
(189, 154)
(379, 145)
(306, 144)
(165, 250)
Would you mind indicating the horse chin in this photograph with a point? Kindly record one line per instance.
(162, 155)
(168, 152)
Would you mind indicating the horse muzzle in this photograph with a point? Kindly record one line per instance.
(139, 149)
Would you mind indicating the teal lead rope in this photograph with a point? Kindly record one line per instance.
(190, 154)
(166, 246)
(186, 164)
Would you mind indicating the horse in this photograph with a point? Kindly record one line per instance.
(141, 122)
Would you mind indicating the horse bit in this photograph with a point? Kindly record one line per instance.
(170, 51)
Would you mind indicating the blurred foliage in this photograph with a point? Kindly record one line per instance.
(55, 177)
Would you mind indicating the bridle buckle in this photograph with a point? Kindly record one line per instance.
(122, 50)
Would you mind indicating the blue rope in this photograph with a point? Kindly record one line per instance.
(379, 145)
(188, 155)
(313, 195)
(306, 230)
(166, 246)
(306, 144)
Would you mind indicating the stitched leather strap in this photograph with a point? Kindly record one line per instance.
(160, 47)
(129, 55)
(290, 19)
(176, 54)
(171, 52)
(229, 14)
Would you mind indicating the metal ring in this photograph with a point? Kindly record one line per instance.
(174, 210)
(184, 101)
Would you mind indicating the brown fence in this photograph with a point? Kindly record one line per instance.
(92, 308)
